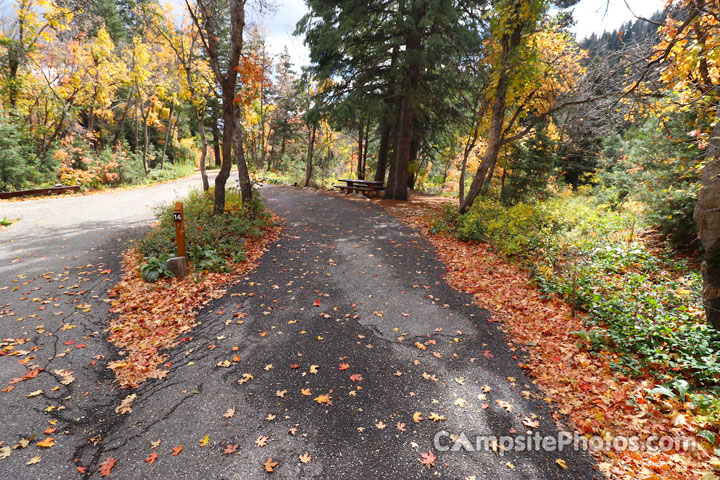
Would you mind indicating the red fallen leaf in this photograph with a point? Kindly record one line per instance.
(262, 334)
(80, 345)
(186, 339)
(220, 312)
(294, 365)
(82, 469)
(92, 362)
(344, 366)
(428, 459)
(316, 303)
(151, 459)
(488, 354)
(230, 448)
(31, 374)
(356, 377)
(107, 466)
(8, 389)
(177, 450)
(49, 431)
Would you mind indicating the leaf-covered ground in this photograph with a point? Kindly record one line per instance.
(150, 318)
(341, 355)
(583, 387)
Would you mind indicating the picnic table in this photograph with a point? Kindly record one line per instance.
(354, 185)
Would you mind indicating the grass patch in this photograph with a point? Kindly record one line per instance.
(213, 241)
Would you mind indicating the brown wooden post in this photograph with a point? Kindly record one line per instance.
(179, 218)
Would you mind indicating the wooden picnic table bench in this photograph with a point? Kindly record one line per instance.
(354, 185)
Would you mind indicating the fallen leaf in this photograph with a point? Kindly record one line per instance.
(151, 459)
(46, 443)
(230, 448)
(305, 458)
(106, 466)
(269, 465)
(34, 460)
(261, 441)
(435, 417)
(177, 450)
(229, 413)
(204, 441)
(428, 459)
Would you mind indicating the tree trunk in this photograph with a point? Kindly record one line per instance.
(309, 164)
(216, 142)
(167, 136)
(469, 146)
(359, 171)
(137, 124)
(243, 173)
(146, 141)
(399, 167)
(412, 176)
(228, 134)
(707, 217)
(494, 142)
(203, 152)
(387, 128)
(365, 149)
(116, 138)
(383, 151)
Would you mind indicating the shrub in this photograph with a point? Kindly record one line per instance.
(644, 305)
(212, 240)
(20, 167)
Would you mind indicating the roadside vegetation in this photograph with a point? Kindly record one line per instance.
(151, 308)
(214, 243)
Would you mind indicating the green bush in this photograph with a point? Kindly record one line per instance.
(644, 305)
(661, 171)
(20, 167)
(212, 240)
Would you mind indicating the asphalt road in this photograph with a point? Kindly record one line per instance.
(346, 329)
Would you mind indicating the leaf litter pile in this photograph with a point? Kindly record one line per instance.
(150, 318)
(596, 400)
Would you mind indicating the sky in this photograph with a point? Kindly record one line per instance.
(597, 16)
